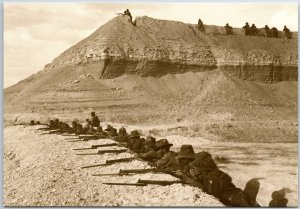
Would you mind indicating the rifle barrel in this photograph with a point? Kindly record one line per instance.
(106, 174)
(111, 151)
(84, 148)
(120, 160)
(76, 141)
(87, 154)
(125, 184)
(92, 166)
(109, 162)
(139, 170)
(162, 183)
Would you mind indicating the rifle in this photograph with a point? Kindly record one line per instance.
(85, 138)
(44, 129)
(141, 182)
(96, 146)
(110, 162)
(105, 151)
(53, 131)
(131, 172)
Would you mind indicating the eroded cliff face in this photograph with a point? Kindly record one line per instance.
(159, 47)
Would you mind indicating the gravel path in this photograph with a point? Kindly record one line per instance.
(43, 170)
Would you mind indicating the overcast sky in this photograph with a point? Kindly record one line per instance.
(36, 33)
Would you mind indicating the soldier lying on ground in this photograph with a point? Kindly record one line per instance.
(122, 136)
(278, 198)
(111, 132)
(219, 184)
(135, 143)
(150, 150)
(88, 128)
(164, 154)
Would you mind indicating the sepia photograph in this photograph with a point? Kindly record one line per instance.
(147, 104)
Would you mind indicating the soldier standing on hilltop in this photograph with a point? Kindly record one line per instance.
(268, 31)
(228, 29)
(274, 32)
(253, 30)
(200, 25)
(287, 32)
(247, 29)
(127, 12)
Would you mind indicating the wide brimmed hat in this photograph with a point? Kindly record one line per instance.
(163, 143)
(150, 141)
(134, 134)
(122, 130)
(204, 161)
(186, 151)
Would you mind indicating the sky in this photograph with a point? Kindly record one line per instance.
(36, 33)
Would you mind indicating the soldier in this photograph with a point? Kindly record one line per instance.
(32, 123)
(278, 199)
(150, 153)
(95, 122)
(100, 133)
(51, 124)
(185, 156)
(126, 12)
(274, 32)
(166, 157)
(247, 29)
(79, 129)
(200, 25)
(268, 31)
(122, 135)
(135, 143)
(150, 144)
(253, 30)
(111, 131)
(228, 29)
(287, 32)
(219, 184)
(74, 125)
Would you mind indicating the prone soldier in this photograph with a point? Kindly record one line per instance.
(219, 184)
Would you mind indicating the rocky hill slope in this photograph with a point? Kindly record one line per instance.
(168, 72)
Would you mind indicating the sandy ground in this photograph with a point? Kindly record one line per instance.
(276, 162)
(43, 170)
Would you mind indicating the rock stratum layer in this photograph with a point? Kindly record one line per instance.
(159, 47)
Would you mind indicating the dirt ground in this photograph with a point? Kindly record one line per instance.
(43, 170)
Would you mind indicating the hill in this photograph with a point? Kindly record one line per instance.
(166, 72)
